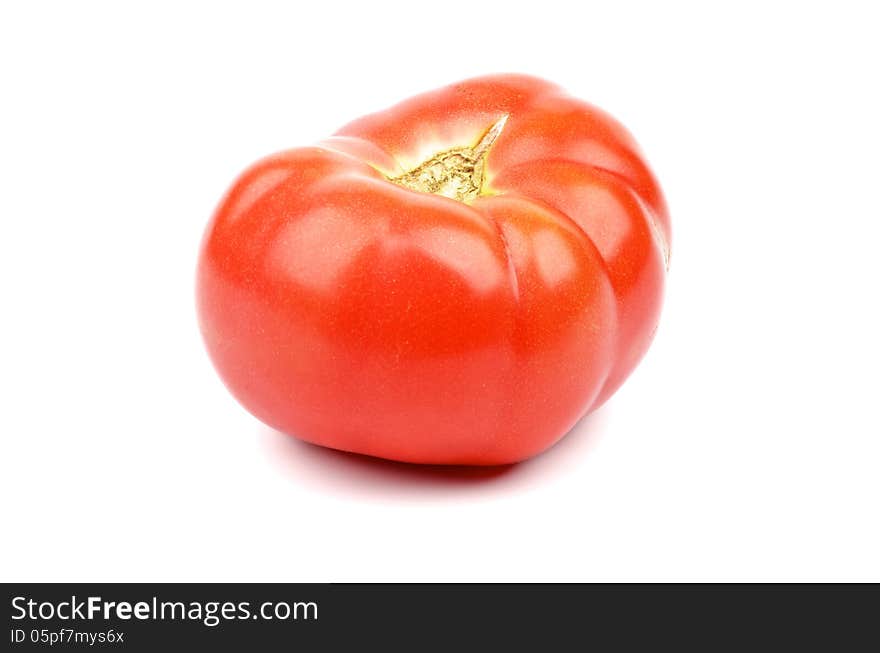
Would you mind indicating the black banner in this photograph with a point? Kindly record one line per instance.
(265, 617)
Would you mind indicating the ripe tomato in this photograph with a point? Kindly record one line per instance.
(457, 279)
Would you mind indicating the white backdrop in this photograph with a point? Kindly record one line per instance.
(745, 447)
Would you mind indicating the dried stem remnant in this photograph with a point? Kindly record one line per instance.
(456, 173)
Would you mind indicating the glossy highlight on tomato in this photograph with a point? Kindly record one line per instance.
(455, 280)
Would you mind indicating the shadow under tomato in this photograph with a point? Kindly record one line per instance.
(341, 472)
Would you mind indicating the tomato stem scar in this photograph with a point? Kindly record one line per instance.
(457, 173)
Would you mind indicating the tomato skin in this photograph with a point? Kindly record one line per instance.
(357, 314)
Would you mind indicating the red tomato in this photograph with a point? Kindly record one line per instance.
(457, 279)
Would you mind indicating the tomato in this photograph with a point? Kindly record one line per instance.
(457, 279)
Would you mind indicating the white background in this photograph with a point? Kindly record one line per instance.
(745, 447)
